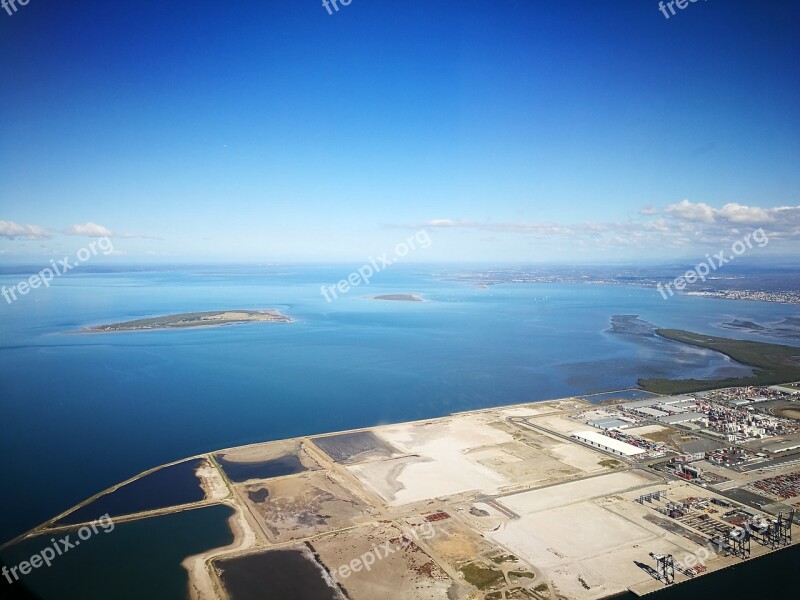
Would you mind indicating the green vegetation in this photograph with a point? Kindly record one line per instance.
(542, 587)
(519, 594)
(609, 463)
(195, 319)
(481, 577)
(499, 560)
(524, 574)
(773, 363)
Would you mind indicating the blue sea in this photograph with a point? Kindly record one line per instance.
(83, 412)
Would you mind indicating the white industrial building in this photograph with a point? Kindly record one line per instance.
(603, 442)
(682, 418)
(609, 423)
(651, 412)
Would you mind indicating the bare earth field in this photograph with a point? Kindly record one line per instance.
(302, 506)
(407, 573)
(519, 509)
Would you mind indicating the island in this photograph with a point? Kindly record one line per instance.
(399, 297)
(191, 320)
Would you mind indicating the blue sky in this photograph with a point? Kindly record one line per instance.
(511, 130)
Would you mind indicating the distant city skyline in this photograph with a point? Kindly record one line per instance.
(510, 131)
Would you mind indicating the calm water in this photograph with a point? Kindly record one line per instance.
(239, 472)
(284, 574)
(132, 561)
(619, 395)
(170, 486)
(754, 578)
(83, 412)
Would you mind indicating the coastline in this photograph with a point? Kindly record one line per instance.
(192, 320)
(412, 297)
(248, 527)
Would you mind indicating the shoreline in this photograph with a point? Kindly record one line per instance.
(191, 320)
(413, 297)
(211, 453)
(553, 419)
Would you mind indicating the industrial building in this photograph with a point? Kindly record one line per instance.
(603, 442)
(609, 423)
(651, 412)
(784, 446)
(682, 418)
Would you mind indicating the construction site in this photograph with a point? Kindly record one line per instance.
(561, 499)
(548, 500)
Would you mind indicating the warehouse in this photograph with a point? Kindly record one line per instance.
(784, 446)
(651, 412)
(609, 423)
(682, 418)
(603, 442)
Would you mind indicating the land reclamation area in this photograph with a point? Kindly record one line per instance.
(559, 499)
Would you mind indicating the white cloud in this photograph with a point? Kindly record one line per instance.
(94, 230)
(133, 236)
(12, 231)
(748, 215)
(682, 225)
(543, 229)
(442, 223)
(89, 230)
(689, 211)
(734, 214)
(657, 225)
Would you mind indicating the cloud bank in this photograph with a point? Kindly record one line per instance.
(13, 231)
(677, 225)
